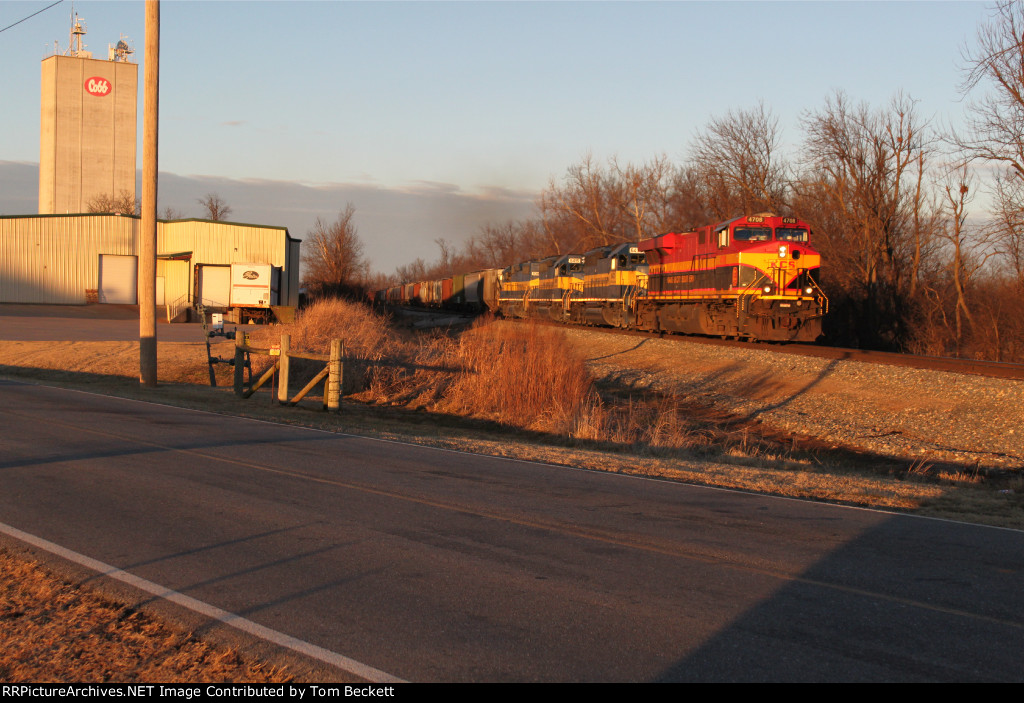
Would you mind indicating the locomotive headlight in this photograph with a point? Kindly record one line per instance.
(782, 251)
(808, 290)
(767, 290)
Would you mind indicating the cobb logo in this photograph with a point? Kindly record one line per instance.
(250, 275)
(98, 86)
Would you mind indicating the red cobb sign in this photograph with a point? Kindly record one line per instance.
(98, 86)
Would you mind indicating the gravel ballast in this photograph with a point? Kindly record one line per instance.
(888, 411)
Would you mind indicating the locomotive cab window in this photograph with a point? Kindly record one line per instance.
(752, 234)
(791, 234)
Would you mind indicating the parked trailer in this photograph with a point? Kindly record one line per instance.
(254, 290)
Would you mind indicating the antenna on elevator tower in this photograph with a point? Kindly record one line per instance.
(75, 45)
(121, 51)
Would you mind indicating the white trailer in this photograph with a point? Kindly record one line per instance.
(254, 289)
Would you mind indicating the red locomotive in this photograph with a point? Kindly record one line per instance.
(754, 277)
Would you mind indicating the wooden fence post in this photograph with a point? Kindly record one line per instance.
(332, 396)
(239, 363)
(283, 367)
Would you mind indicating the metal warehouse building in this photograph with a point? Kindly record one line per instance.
(75, 259)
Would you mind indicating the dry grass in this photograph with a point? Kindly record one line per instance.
(521, 390)
(54, 631)
(50, 630)
(656, 426)
(521, 376)
(367, 335)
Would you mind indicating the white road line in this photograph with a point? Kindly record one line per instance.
(210, 611)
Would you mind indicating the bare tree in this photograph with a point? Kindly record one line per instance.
(125, 203)
(216, 208)
(334, 252)
(737, 160)
(685, 205)
(994, 135)
(596, 205)
(416, 271)
(642, 194)
(994, 67)
(862, 186)
(1009, 227)
(958, 196)
(497, 246)
(171, 213)
(581, 212)
(448, 257)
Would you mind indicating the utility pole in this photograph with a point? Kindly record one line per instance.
(147, 237)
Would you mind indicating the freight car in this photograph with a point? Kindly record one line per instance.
(474, 292)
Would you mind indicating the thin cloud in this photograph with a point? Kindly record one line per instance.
(397, 225)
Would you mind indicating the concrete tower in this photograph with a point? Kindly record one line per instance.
(87, 127)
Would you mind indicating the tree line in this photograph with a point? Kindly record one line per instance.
(126, 203)
(911, 262)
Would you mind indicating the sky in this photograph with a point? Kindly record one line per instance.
(435, 118)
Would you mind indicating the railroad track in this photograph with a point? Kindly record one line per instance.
(994, 369)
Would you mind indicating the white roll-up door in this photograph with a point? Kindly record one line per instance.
(215, 285)
(119, 279)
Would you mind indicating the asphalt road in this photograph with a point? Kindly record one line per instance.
(86, 323)
(440, 566)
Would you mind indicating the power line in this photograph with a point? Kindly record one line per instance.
(31, 16)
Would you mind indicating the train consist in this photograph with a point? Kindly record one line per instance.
(754, 277)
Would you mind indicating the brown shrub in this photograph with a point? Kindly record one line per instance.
(367, 337)
(366, 334)
(520, 375)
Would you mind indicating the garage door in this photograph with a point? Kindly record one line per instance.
(118, 279)
(214, 285)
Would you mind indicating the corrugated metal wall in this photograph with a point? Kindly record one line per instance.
(220, 243)
(177, 280)
(55, 258)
